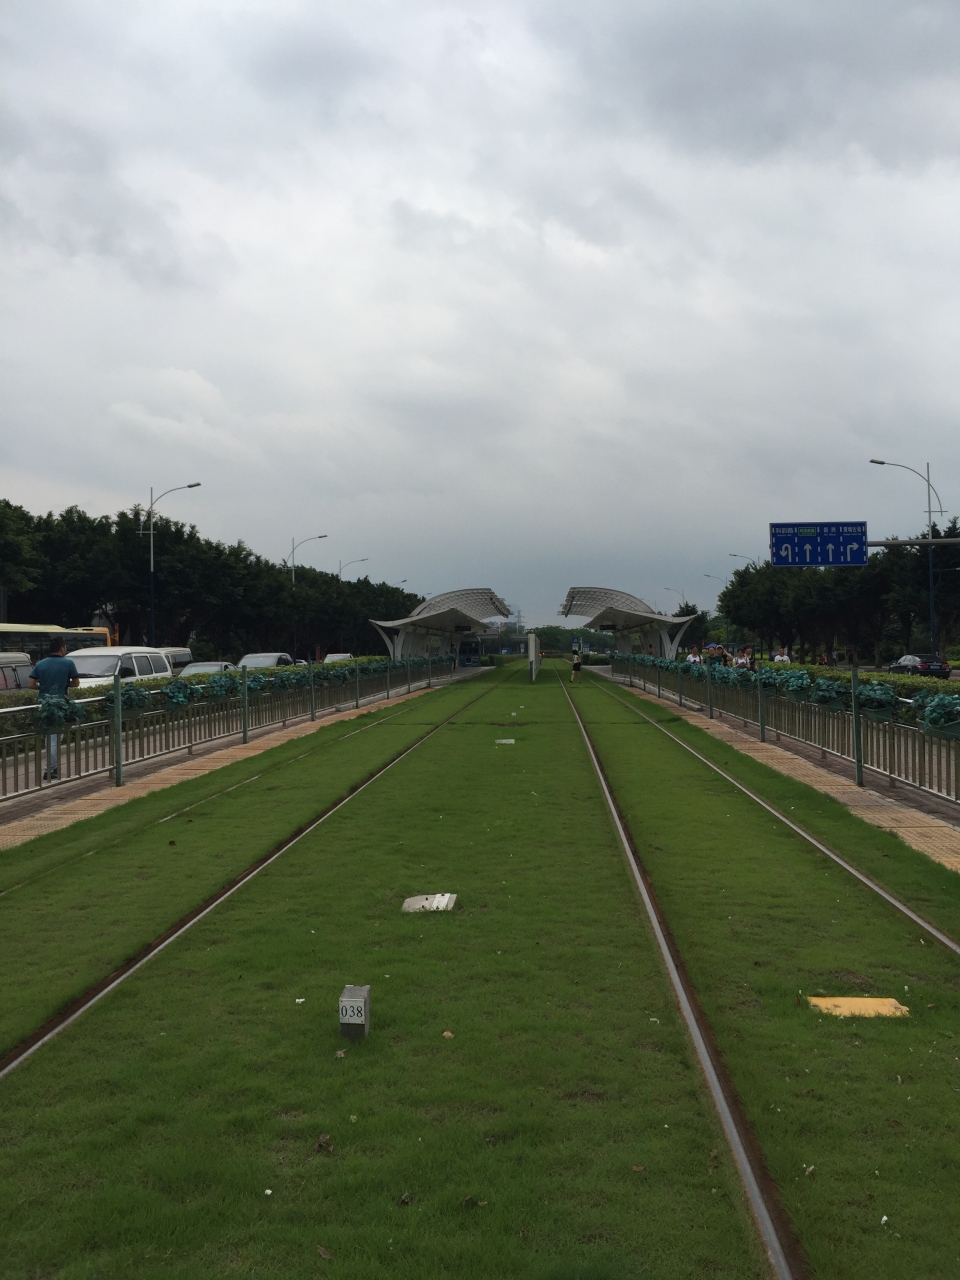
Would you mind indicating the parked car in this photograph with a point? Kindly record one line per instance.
(252, 660)
(921, 664)
(177, 656)
(207, 668)
(14, 670)
(136, 662)
(338, 657)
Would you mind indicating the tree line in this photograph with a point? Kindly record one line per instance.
(880, 610)
(223, 601)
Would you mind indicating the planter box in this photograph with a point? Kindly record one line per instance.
(949, 731)
(878, 717)
(835, 704)
(797, 695)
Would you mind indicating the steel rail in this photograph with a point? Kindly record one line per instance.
(67, 1016)
(944, 939)
(782, 1249)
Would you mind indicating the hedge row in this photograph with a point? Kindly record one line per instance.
(927, 704)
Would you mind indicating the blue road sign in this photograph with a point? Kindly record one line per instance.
(801, 546)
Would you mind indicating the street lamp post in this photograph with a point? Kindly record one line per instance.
(931, 492)
(315, 537)
(362, 560)
(153, 503)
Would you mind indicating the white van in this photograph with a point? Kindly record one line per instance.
(178, 656)
(338, 657)
(136, 662)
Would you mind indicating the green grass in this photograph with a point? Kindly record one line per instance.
(760, 916)
(142, 1141)
(926, 886)
(79, 902)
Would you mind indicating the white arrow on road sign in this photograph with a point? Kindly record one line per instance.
(830, 549)
(787, 550)
(807, 548)
(852, 546)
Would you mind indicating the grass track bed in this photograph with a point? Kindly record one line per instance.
(759, 915)
(80, 902)
(143, 1140)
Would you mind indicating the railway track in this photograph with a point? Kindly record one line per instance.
(53, 1027)
(944, 939)
(783, 1248)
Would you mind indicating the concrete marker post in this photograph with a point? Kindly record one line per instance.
(356, 674)
(355, 1012)
(313, 691)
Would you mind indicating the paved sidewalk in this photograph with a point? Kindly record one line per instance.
(922, 831)
(54, 817)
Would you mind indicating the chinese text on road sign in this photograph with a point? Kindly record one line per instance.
(805, 545)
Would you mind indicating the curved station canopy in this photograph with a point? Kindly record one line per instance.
(625, 615)
(442, 620)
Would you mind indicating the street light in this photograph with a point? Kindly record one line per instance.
(315, 537)
(362, 560)
(153, 503)
(398, 584)
(881, 462)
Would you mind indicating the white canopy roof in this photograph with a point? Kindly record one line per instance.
(450, 613)
(611, 610)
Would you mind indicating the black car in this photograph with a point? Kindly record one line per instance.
(921, 664)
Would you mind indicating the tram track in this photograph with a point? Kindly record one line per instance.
(891, 899)
(75, 1009)
(782, 1246)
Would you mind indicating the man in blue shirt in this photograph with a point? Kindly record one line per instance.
(54, 675)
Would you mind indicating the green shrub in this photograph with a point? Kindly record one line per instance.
(133, 697)
(876, 695)
(943, 709)
(54, 711)
(825, 691)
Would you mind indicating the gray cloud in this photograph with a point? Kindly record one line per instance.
(517, 295)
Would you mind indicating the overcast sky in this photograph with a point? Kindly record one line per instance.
(522, 295)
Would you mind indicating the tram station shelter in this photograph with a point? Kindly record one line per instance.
(629, 618)
(442, 623)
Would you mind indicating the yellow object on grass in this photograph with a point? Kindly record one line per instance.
(860, 1006)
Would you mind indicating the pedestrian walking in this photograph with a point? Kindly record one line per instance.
(575, 673)
(52, 676)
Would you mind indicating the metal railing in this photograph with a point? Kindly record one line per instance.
(28, 760)
(902, 752)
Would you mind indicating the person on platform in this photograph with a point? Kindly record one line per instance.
(52, 676)
(577, 662)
